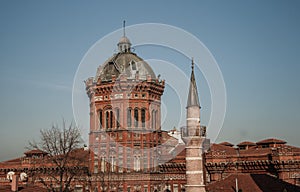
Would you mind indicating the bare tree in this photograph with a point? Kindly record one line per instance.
(65, 161)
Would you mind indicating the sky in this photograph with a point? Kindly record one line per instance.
(255, 43)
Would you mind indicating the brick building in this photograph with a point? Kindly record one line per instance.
(271, 160)
(128, 150)
(125, 137)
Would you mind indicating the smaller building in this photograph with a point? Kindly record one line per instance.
(36, 169)
(247, 182)
(270, 156)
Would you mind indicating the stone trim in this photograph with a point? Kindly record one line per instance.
(193, 158)
(194, 172)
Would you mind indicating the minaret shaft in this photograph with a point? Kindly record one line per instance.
(193, 137)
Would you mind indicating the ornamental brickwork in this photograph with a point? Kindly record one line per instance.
(129, 152)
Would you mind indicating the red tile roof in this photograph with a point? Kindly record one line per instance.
(7, 188)
(245, 143)
(226, 144)
(227, 149)
(35, 151)
(271, 140)
(251, 183)
(295, 149)
(16, 160)
(255, 151)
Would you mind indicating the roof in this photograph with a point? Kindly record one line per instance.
(226, 150)
(12, 161)
(124, 62)
(251, 183)
(255, 152)
(35, 151)
(226, 144)
(7, 188)
(124, 39)
(271, 141)
(246, 143)
(18, 163)
(193, 99)
(127, 63)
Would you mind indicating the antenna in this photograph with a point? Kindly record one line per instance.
(124, 28)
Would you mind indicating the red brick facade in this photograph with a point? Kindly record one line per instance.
(129, 152)
(270, 156)
(125, 117)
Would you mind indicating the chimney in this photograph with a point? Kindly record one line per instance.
(14, 183)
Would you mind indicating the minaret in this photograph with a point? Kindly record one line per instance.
(194, 136)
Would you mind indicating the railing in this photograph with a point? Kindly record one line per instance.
(193, 131)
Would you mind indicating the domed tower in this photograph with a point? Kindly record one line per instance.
(194, 137)
(125, 98)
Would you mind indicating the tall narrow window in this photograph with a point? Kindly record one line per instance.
(133, 65)
(103, 164)
(100, 119)
(113, 164)
(128, 117)
(143, 116)
(145, 159)
(111, 119)
(136, 117)
(128, 159)
(153, 119)
(96, 166)
(106, 119)
(137, 163)
(118, 118)
(120, 159)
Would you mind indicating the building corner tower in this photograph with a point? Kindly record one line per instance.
(194, 137)
(125, 118)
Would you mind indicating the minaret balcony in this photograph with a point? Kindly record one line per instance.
(199, 131)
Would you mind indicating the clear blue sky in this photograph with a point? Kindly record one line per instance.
(256, 44)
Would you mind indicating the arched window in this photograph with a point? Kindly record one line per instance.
(100, 119)
(153, 119)
(103, 164)
(129, 117)
(143, 117)
(136, 117)
(111, 119)
(96, 165)
(107, 119)
(128, 159)
(118, 118)
(112, 163)
(137, 163)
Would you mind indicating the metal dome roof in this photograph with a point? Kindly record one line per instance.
(127, 63)
(124, 39)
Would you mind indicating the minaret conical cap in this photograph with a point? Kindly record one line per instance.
(193, 99)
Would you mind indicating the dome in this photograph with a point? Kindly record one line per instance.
(124, 44)
(126, 63)
(124, 39)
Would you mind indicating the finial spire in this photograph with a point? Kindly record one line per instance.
(193, 98)
(124, 28)
(124, 43)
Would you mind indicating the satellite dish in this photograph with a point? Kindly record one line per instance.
(23, 176)
(10, 175)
